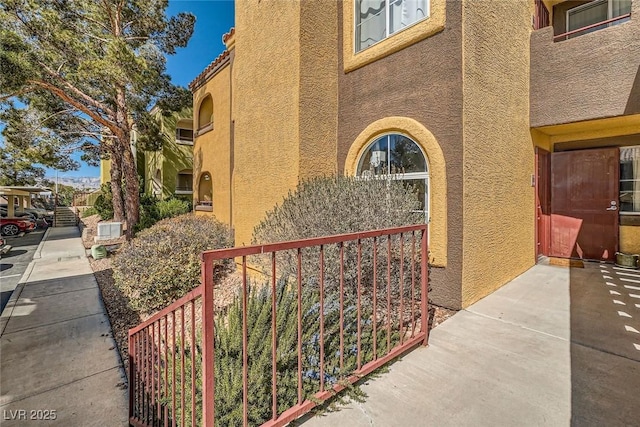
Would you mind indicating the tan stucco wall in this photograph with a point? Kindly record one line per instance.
(498, 219)
(630, 239)
(212, 149)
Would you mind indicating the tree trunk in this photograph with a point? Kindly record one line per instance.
(132, 190)
(116, 185)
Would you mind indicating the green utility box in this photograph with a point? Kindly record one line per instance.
(98, 251)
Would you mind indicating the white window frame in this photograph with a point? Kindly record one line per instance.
(637, 213)
(587, 5)
(179, 140)
(356, 13)
(401, 176)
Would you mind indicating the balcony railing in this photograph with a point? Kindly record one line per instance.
(320, 312)
(568, 34)
(541, 17)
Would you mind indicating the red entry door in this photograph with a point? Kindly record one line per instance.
(584, 204)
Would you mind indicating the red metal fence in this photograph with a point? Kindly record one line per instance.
(311, 318)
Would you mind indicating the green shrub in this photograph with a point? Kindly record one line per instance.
(149, 214)
(172, 207)
(104, 202)
(162, 263)
(228, 354)
(89, 211)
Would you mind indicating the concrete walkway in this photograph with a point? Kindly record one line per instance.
(58, 357)
(520, 357)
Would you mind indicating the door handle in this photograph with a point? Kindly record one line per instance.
(612, 208)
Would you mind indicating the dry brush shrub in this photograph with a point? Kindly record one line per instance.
(329, 206)
(162, 263)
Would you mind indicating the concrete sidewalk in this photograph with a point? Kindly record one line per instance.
(58, 357)
(504, 361)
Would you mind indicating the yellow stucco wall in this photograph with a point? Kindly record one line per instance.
(630, 239)
(437, 174)
(318, 115)
(212, 148)
(265, 110)
(105, 171)
(498, 206)
(284, 103)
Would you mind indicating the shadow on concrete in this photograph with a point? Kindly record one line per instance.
(605, 364)
(4, 267)
(14, 253)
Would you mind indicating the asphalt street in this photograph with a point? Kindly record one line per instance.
(14, 264)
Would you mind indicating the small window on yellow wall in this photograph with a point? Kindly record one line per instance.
(376, 20)
(205, 114)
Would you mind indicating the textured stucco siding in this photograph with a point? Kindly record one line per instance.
(630, 239)
(212, 149)
(318, 103)
(176, 157)
(422, 82)
(265, 110)
(498, 219)
(592, 76)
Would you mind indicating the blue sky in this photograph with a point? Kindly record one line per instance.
(213, 19)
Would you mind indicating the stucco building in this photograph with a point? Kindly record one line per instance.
(168, 171)
(462, 99)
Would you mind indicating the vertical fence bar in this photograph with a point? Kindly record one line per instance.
(173, 369)
(193, 363)
(375, 298)
(299, 280)
(413, 282)
(182, 340)
(401, 288)
(132, 370)
(388, 292)
(245, 339)
(424, 282)
(152, 371)
(341, 308)
(166, 371)
(274, 337)
(321, 318)
(147, 362)
(208, 351)
(358, 326)
(159, 375)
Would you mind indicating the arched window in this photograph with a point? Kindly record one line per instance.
(398, 157)
(205, 190)
(205, 114)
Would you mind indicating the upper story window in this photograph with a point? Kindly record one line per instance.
(587, 16)
(205, 114)
(184, 131)
(630, 180)
(376, 20)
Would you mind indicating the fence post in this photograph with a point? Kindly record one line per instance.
(424, 283)
(208, 359)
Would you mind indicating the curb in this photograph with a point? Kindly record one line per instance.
(15, 296)
(38, 252)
